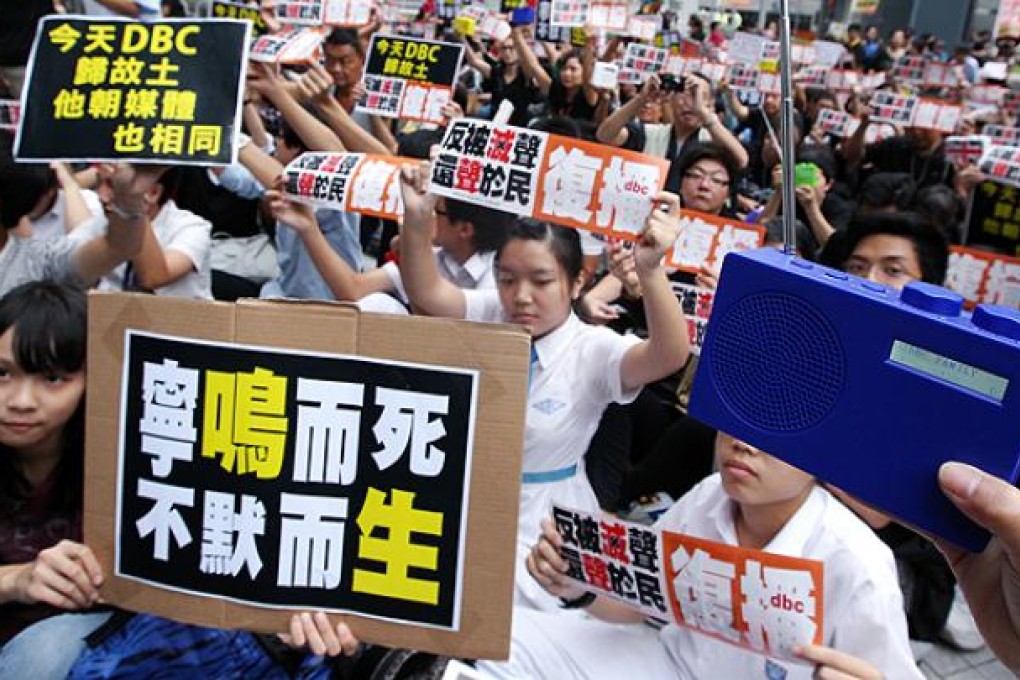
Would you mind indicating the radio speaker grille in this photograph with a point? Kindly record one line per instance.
(777, 363)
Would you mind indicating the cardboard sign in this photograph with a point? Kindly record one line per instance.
(348, 182)
(1002, 164)
(116, 89)
(224, 9)
(993, 218)
(1002, 135)
(640, 62)
(290, 46)
(410, 79)
(696, 304)
(966, 150)
(887, 107)
(237, 470)
(760, 601)
(706, 239)
(568, 13)
(984, 278)
(548, 177)
(836, 123)
(10, 114)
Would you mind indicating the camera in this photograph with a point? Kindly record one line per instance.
(670, 83)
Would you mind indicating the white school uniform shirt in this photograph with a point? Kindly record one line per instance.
(863, 608)
(477, 272)
(52, 223)
(576, 375)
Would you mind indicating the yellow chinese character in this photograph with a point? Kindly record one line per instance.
(100, 36)
(1016, 214)
(167, 139)
(141, 104)
(163, 69)
(218, 10)
(1011, 230)
(244, 421)
(129, 138)
(1003, 211)
(381, 46)
(406, 69)
(390, 66)
(990, 226)
(65, 36)
(126, 71)
(69, 104)
(396, 552)
(104, 103)
(990, 189)
(397, 48)
(205, 138)
(421, 72)
(90, 70)
(179, 105)
(1008, 194)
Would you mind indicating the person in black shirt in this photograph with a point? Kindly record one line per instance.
(920, 153)
(504, 79)
(569, 92)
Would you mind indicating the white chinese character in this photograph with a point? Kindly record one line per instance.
(1003, 287)
(703, 587)
(731, 240)
(326, 446)
(965, 274)
(569, 184)
(414, 101)
(405, 417)
(163, 518)
(311, 542)
(694, 245)
(625, 199)
(374, 187)
(434, 103)
(220, 525)
(165, 452)
(169, 395)
(780, 606)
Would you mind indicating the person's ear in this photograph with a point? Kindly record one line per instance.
(577, 286)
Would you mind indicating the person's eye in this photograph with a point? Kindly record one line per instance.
(856, 268)
(504, 280)
(54, 378)
(894, 271)
(4, 373)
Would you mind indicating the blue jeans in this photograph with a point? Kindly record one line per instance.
(48, 649)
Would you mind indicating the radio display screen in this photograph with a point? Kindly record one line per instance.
(955, 372)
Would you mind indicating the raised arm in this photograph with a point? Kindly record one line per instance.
(701, 94)
(529, 61)
(474, 60)
(316, 135)
(588, 58)
(315, 86)
(613, 130)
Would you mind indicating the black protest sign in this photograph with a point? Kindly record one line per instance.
(223, 9)
(994, 218)
(295, 480)
(544, 30)
(112, 89)
(409, 78)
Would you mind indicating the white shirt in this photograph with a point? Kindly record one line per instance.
(147, 9)
(657, 139)
(53, 224)
(477, 272)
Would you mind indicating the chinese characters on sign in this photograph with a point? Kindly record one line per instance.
(124, 90)
(696, 303)
(641, 61)
(290, 46)
(348, 182)
(408, 78)
(983, 277)
(1002, 135)
(993, 221)
(705, 240)
(552, 178)
(913, 112)
(764, 602)
(224, 9)
(295, 481)
(1002, 164)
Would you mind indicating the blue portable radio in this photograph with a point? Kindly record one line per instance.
(865, 387)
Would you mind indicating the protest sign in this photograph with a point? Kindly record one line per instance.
(1002, 164)
(10, 114)
(115, 89)
(544, 30)
(1011, 103)
(802, 53)
(354, 13)
(761, 601)
(984, 278)
(1002, 135)
(828, 53)
(978, 96)
(696, 303)
(238, 470)
(966, 150)
(993, 218)
(836, 123)
(744, 78)
(641, 61)
(937, 115)
(745, 48)
(611, 16)
(888, 107)
(290, 46)
(548, 177)
(224, 9)
(937, 74)
(706, 239)
(348, 182)
(410, 79)
(644, 27)
(770, 57)
(300, 12)
(813, 76)
(568, 13)
(909, 69)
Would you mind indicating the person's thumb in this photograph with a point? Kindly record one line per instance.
(989, 501)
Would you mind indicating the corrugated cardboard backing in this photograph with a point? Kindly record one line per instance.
(499, 352)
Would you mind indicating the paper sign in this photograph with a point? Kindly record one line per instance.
(745, 48)
(640, 62)
(544, 30)
(611, 16)
(984, 278)
(828, 53)
(643, 28)
(909, 69)
(348, 13)
(300, 12)
(1002, 164)
(761, 601)
(223, 9)
(548, 177)
(744, 77)
(985, 95)
(836, 123)
(887, 107)
(770, 57)
(841, 79)
(966, 150)
(696, 304)
(941, 75)
(706, 239)
(408, 78)
(290, 46)
(936, 115)
(568, 13)
(116, 89)
(348, 182)
(1002, 135)
(802, 54)
(993, 218)
(812, 76)
(10, 114)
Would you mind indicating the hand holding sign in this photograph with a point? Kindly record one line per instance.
(316, 633)
(661, 231)
(419, 203)
(66, 575)
(290, 213)
(547, 566)
(316, 84)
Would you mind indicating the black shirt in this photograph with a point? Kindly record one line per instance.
(519, 91)
(897, 154)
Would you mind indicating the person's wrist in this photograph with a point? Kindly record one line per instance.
(582, 601)
(128, 213)
(709, 119)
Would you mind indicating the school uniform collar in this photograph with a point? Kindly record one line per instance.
(550, 346)
(791, 539)
(475, 267)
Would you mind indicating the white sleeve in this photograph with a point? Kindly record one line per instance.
(605, 350)
(192, 238)
(393, 271)
(483, 305)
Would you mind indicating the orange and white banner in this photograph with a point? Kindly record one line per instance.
(349, 182)
(984, 278)
(706, 239)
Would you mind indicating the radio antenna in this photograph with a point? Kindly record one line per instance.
(786, 131)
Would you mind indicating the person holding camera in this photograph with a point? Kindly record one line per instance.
(693, 120)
